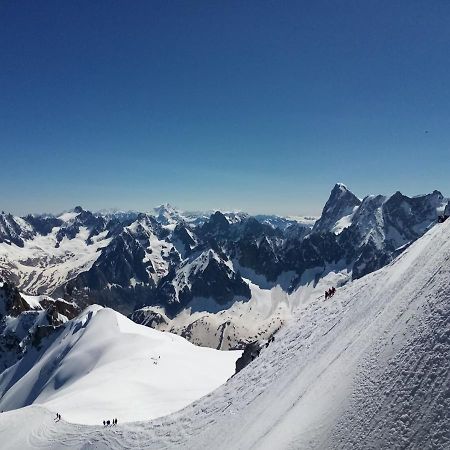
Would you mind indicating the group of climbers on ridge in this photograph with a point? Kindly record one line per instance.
(330, 292)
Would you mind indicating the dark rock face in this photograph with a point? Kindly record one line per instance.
(219, 282)
(340, 204)
(56, 307)
(148, 317)
(315, 250)
(12, 302)
(43, 225)
(410, 217)
(447, 209)
(251, 352)
(184, 236)
(31, 325)
(217, 226)
(11, 232)
(205, 274)
(262, 255)
(122, 276)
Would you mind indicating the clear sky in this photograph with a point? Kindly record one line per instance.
(254, 105)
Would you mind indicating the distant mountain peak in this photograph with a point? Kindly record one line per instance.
(340, 186)
(341, 203)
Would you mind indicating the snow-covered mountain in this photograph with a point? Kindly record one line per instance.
(368, 368)
(217, 272)
(101, 364)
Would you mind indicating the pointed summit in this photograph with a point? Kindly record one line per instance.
(341, 203)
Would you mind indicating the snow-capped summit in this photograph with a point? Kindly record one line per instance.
(166, 214)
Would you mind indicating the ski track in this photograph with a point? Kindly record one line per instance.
(369, 368)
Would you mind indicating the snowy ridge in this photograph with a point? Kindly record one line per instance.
(367, 369)
(102, 364)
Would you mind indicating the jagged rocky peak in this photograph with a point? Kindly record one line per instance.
(418, 208)
(14, 230)
(410, 217)
(341, 203)
(43, 224)
(77, 218)
(144, 227)
(204, 274)
(217, 225)
(447, 209)
(11, 302)
(147, 220)
(185, 236)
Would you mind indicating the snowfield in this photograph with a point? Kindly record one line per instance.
(367, 369)
(103, 365)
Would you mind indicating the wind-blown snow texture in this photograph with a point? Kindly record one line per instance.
(367, 369)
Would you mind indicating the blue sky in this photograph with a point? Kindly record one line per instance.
(260, 106)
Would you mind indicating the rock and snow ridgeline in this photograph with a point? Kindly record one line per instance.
(210, 272)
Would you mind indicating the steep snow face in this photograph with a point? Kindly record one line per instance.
(103, 365)
(368, 220)
(367, 369)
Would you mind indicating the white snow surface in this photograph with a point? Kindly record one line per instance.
(368, 369)
(103, 365)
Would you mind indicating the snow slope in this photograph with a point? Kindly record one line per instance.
(369, 368)
(103, 365)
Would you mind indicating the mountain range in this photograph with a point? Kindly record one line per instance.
(219, 279)
(366, 369)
